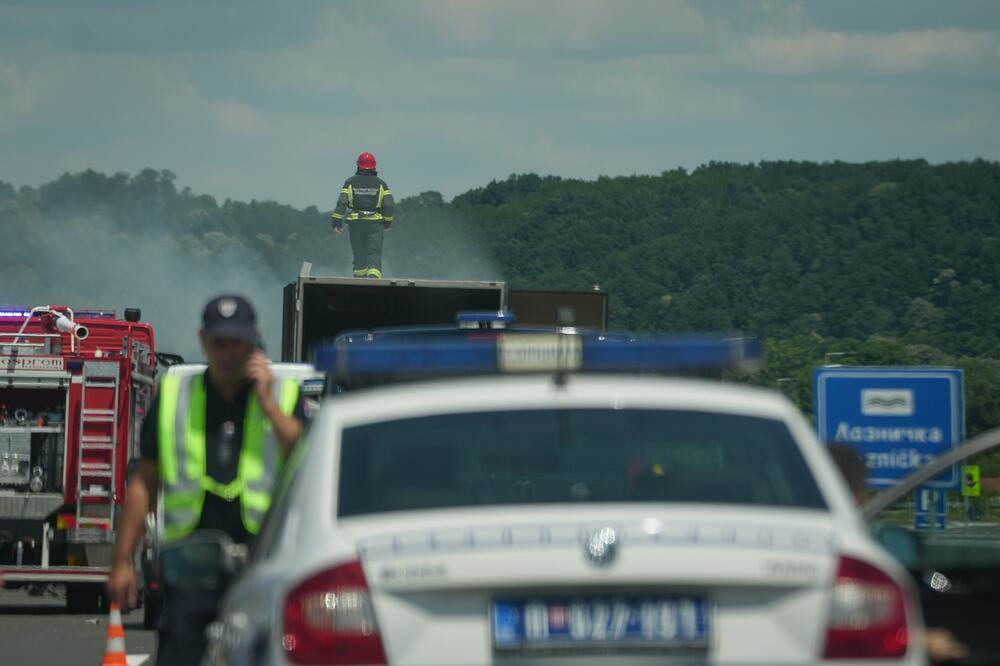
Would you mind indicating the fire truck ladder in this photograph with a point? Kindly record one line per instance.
(97, 454)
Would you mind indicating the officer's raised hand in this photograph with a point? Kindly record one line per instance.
(260, 374)
(287, 428)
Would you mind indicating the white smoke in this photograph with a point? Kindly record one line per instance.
(90, 261)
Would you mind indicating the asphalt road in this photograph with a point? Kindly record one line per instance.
(39, 630)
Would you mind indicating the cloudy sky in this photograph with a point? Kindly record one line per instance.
(273, 100)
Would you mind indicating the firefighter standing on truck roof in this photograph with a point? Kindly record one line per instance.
(366, 203)
(215, 441)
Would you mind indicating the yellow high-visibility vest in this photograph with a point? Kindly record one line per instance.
(182, 454)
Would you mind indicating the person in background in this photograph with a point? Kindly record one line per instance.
(366, 204)
(852, 467)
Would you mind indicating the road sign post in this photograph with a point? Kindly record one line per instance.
(931, 508)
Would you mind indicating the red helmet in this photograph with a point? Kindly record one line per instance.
(366, 161)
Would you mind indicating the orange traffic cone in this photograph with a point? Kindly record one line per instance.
(114, 649)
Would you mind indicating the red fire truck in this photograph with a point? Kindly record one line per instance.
(74, 387)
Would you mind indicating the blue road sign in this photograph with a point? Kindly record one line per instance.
(897, 418)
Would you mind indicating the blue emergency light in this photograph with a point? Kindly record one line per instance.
(515, 352)
(9, 311)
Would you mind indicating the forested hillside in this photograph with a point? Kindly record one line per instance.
(894, 262)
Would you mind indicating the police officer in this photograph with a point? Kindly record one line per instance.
(366, 204)
(215, 441)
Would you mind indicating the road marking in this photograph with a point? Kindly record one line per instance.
(136, 659)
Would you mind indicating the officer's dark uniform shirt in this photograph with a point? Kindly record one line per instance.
(223, 444)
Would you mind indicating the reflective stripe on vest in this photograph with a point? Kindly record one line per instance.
(182, 445)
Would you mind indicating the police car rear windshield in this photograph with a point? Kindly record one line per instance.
(571, 456)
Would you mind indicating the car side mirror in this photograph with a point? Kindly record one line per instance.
(205, 560)
(167, 360)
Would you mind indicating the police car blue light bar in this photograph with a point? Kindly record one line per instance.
(537, 352)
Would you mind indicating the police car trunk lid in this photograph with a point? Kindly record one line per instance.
(764, 574)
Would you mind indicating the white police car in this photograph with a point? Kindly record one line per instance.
(575, 513)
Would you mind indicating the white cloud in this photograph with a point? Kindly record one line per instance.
(17, 95)
(562, 26)
(895, 53)
(237, 117)
(517, 28)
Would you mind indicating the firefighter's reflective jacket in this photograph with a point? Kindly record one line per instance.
(364, 197)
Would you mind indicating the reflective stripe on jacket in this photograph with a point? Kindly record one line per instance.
(182, 451)
(364, 196)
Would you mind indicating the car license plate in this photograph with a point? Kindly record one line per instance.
(580, 622)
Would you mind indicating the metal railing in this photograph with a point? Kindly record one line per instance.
(60, 318)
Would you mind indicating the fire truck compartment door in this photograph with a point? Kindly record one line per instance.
(15, 457)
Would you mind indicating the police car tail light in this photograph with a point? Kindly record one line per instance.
(330, 619)
(868, 614)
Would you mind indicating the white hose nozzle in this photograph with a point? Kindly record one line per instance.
(66, 325)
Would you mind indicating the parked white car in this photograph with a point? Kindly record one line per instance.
(565, 519)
